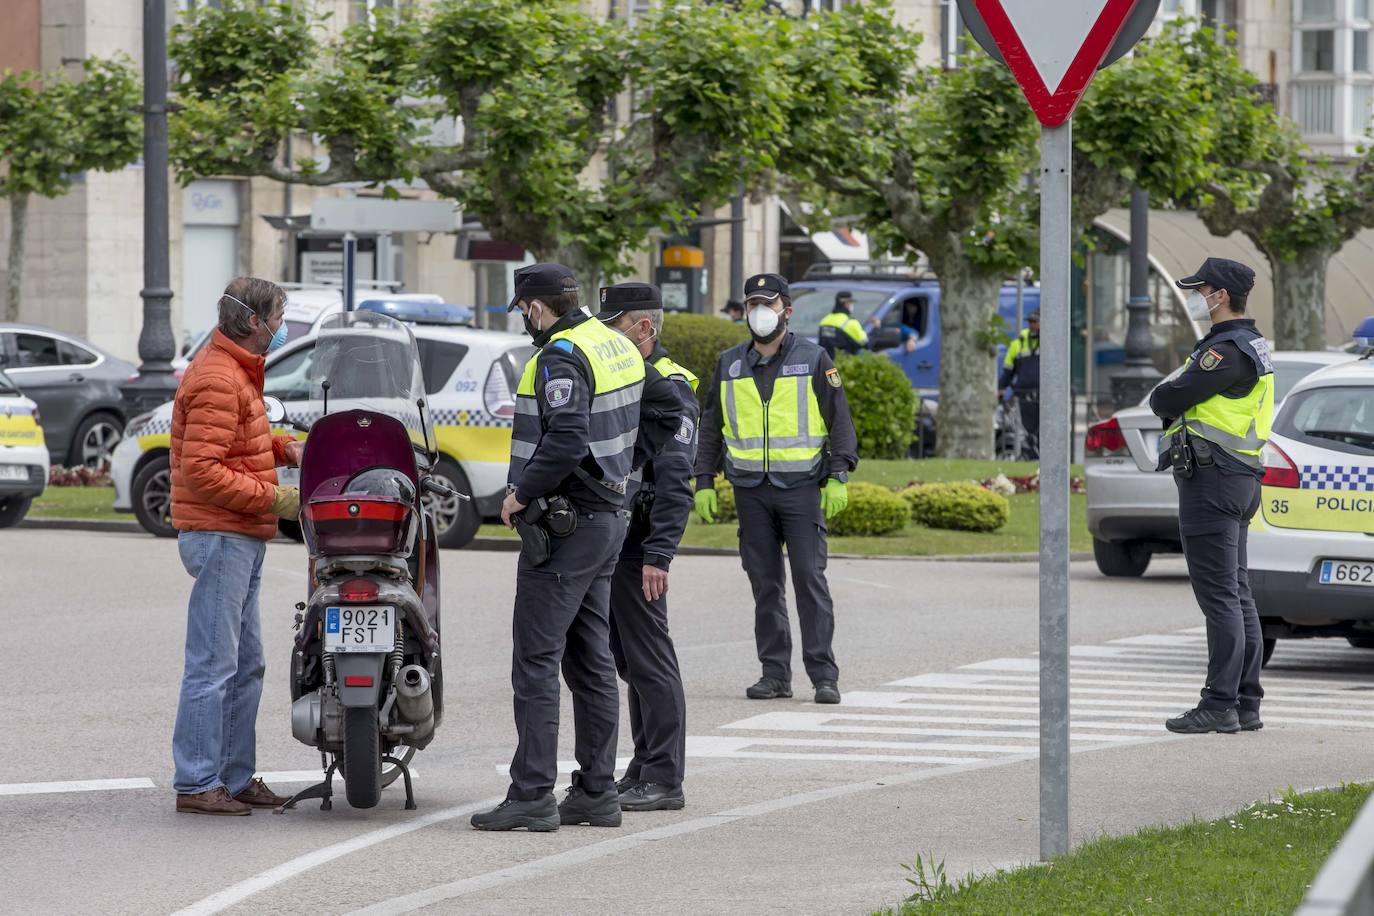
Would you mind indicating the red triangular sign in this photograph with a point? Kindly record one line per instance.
(1054, 48)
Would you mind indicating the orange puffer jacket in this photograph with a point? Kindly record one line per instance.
(224, 456)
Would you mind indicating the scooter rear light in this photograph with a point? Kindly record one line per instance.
(339, 509)
(358, 590)
(358, 680)
(1279, 469)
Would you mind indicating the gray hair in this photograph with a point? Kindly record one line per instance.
(655, 317)
(245, 297)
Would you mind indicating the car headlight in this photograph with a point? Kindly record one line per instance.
(138, 423)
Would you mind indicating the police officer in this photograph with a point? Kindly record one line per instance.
(659, 497)
(840, 331)
(1217, 414)
(1021, 373)
(775, 415)
(576, 417)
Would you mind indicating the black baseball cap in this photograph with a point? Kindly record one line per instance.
(537, 280)
(1232, 276)
(628, 297)
(1034, 315)
(843, 295)
(766, 286)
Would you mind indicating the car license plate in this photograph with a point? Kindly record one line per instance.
(13, 472)
(359, 629)
(1341, 572)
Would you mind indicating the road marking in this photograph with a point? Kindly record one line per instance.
(75, 785)
(566, 767)
(825, 722)
(867, 582)
(879, 700)
(717, 746)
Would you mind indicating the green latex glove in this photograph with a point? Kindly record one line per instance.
(834, 497)
(706, 505)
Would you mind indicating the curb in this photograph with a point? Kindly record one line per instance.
(512, 545)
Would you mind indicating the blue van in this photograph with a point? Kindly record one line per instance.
(895, 295)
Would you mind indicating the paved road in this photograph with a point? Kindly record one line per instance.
(791, 807)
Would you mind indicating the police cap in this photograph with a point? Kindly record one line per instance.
(628, 297)
(1232, 276)
(537, 280)
(766, 286)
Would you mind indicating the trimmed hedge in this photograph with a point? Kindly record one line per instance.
(696, 341)
(725, 500)
(882, 402)
(872, 511)
(957, 506)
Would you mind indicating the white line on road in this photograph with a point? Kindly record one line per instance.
(868, 582)
(824, 722)
(76, 785)
(718, 746)
(880, 700)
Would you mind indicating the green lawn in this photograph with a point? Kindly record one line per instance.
(1258, 861)
(77, 502)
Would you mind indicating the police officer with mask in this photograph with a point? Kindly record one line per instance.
(776, 416)
(1217, 415)
(576, 418)
(840, 331)
(659, 497)
(1021, 373)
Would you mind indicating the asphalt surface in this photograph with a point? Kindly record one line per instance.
(791, 807)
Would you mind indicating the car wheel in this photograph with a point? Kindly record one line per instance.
(455, 520)
(151, 495)
(13, 510)
(1269, 645)
(95, 440)
(291, 530)
(1121, 558)
(1361, 642)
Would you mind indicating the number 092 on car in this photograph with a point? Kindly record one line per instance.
(359, 629)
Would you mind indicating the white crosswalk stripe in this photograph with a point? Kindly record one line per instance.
(1120, 693)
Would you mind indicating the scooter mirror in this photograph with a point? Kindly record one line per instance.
(276, 410)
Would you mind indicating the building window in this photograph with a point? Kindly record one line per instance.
(1318, 10)
(1318, 51)
(1359, 51)
(1360, 9)
(952, 33)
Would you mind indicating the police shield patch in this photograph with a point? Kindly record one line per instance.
(686, 431)
(558, 391)
(1210, 360)
(833, 377)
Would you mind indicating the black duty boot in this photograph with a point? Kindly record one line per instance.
(827, 692)
(652, 796)
(625, 784)
(538, 816)
(581, 807)
(769, 688)
(1202, 721)
(1250, 720)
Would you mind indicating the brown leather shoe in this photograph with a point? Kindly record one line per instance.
(259, 796)
(216, 801)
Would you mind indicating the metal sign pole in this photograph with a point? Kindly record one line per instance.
(1056, 241)
(350, 277)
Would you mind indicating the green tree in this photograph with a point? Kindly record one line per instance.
(578, 140)
(51, 130)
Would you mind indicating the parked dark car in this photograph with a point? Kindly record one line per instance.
(76, 386)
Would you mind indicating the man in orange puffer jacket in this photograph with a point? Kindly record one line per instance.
(226, 502)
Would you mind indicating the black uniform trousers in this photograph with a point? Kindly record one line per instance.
(562, 617)
(1215, 509)
(1028, 403)
(646, 659)
(770, 517)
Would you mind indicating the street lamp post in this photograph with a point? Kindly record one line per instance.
(1139, 375)
(155, 382)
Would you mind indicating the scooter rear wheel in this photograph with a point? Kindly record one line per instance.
(362, 757)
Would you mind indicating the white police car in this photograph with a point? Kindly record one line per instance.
(1311, 546)
(470, 376)
(23, 454)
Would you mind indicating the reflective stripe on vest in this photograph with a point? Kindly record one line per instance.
(847, 324)
(1240, 425)
(667, 368)
(783, 439)
(617, 384)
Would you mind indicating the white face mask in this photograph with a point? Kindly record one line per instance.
(763, 321)
(1197, 306)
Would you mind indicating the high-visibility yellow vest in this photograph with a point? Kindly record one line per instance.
(837, 323)
(782, 439)
(617, 383)
(668, 369)
(1239, 425)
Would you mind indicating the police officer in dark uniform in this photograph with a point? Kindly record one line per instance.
(1217, 415)
(659, 497)
(1021, 373)
(775, 415)
(576, 421)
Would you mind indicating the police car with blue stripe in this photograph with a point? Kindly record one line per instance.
(1312, 544)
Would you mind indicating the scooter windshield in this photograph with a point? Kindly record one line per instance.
(369, 361)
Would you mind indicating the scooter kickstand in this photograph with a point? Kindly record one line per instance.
(321, 790)
(405, 774)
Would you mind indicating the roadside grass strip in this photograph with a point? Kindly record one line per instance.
(1259, 860)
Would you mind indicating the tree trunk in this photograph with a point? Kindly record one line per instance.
(968, 374)
(587, 270)
(1300, 299)
(14, 278)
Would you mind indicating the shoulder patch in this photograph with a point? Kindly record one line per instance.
(1260, 346)
(686, 431)
(563, 344)
(558, 391)
(832, 376)
(736, 367)
(1211, 360)
(797, 369)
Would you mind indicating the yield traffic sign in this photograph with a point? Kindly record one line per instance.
(1054, 49)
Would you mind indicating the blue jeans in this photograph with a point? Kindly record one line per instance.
(215, 741)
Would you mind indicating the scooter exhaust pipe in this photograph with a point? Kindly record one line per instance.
(414, 699)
